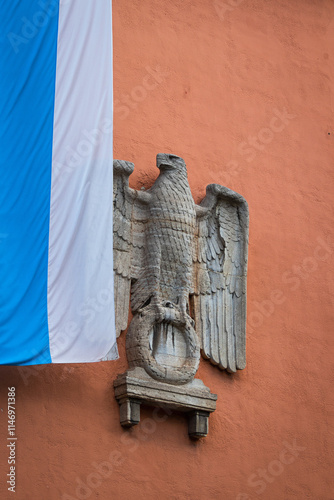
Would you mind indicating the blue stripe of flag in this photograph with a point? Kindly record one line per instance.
(28, 51)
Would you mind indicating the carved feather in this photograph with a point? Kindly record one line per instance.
(130, 215)
(220, 271)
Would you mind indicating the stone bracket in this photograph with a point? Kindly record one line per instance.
(136, 387)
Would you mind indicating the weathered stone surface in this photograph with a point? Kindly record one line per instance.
(179, 259)
(136, 387)
(184, 265)
(198, 424)
(168, 351)
(129, 412)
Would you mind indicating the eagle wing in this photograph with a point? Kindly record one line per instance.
(220, 273)
(130, 217)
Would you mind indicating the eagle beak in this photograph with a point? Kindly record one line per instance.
(162, 161)
(168, 161)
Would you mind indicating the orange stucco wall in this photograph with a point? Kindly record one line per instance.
(243, 91)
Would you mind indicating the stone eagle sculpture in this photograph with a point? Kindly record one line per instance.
(181, 264)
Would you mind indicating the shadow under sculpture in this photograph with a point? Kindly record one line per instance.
(184, 267)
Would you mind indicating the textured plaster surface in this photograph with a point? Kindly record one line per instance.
(225, 74)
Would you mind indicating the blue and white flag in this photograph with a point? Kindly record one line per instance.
(56, 270)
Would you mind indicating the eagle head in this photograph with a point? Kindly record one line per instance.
(166, 162)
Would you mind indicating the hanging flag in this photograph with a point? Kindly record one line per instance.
(56, 272)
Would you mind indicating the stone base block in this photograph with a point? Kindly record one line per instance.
(136, 387)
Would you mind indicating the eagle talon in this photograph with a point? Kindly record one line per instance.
(159, 314)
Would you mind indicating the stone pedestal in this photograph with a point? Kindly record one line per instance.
(136, 387)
